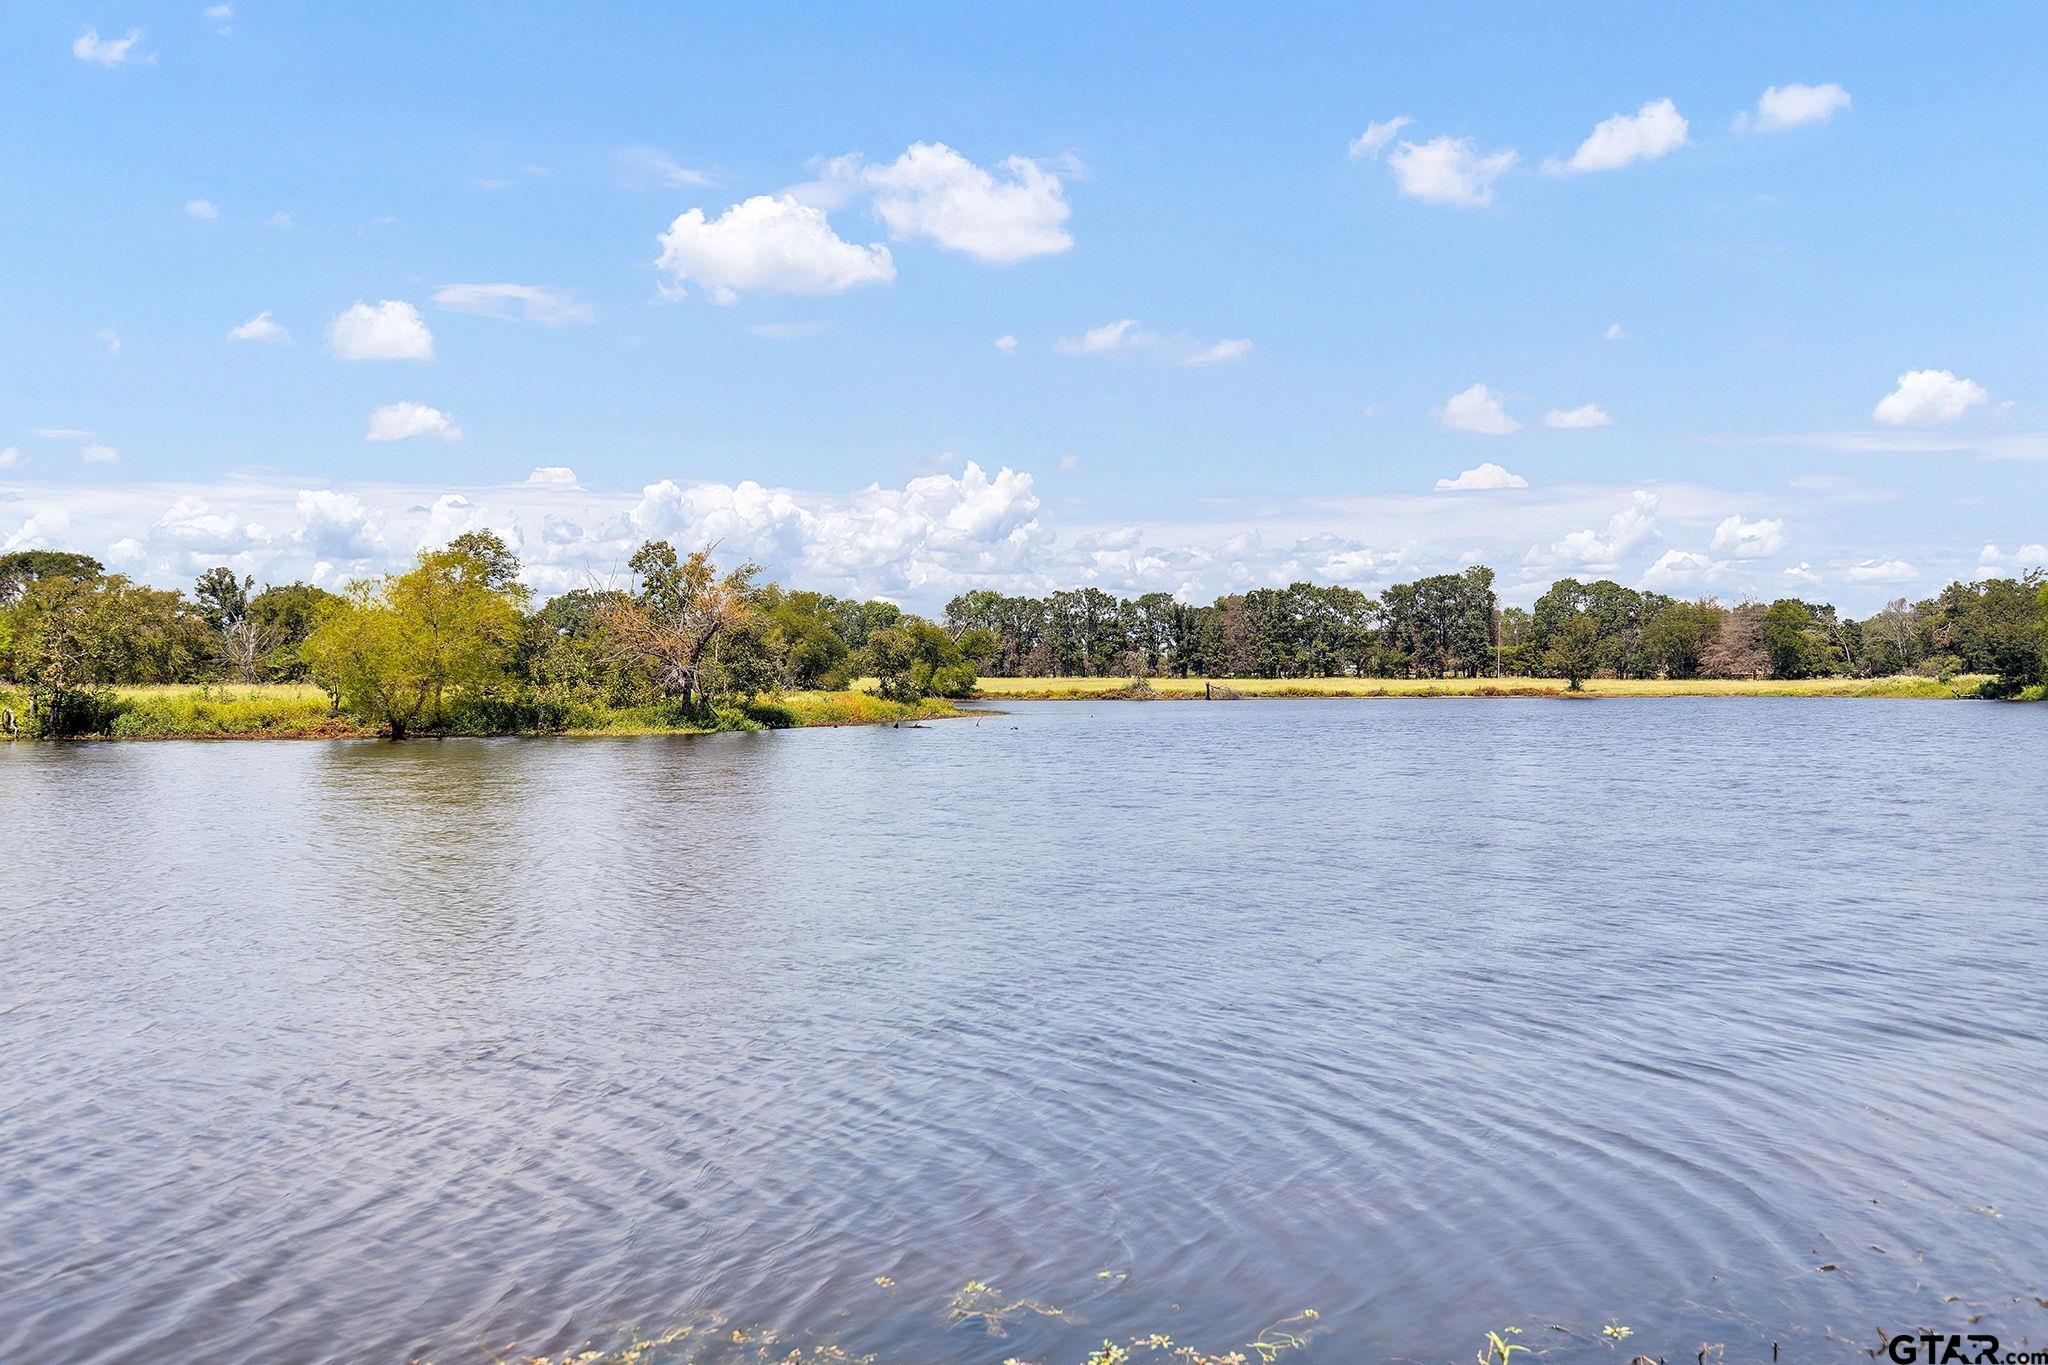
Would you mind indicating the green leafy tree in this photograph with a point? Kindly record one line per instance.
(1677, 638)
(23, 567)
(800, 639)
(1997, 626)
(399, 649)
(915, 659)
(1794, 640)
(1574, 650)
(72, 639)
(285, 616)
(1897, 639)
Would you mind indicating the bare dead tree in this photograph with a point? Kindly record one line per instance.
(245, 643)
(669, 626)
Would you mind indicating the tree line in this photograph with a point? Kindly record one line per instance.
(1452, 625)
(456, 642)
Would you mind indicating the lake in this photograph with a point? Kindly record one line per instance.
(1714, 1020)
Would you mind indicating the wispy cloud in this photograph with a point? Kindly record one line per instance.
(1220, 353)
(533, 302)
(642, 167)
(1369, 144)
(786, 331)
(90, 47)
(260, 328)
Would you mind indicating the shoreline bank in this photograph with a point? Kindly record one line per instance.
(1253, 689)
(295, 711)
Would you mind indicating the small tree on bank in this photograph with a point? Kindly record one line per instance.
(398, 648)
(917, 659)
(1574, 650)
(244, 640)
(671, 625)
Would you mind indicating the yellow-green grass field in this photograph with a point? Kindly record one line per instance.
(302, 711)
(217, 711)
(1082, 689)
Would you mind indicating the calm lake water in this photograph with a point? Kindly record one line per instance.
(1723, 1020)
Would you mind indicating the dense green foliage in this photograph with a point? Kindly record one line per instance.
(453, 644)
(1452, 626)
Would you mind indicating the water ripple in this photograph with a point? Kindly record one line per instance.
(1433, 1017)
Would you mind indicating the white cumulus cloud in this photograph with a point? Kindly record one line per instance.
(1449, 170)
(1759, 539)
(769, 243)
(1486, 476)
(553, 475)
(336, 526)
(202, 209)
(1578, 418)
(1006, 343)
(1881, 571)
(388, 330)
(1990, 560)
(1652, 131)
(1788, 106)
(934, 192)
(1682, 568)
(402, 421)
(1478, 410)
(534, 302)
(260, 328)
(10, 457)
(1928, 398)
(1601, 551)
(1614, 332)
(99, 453)
(1803, 574)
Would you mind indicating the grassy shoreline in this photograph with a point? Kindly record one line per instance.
(302, 711)
(1185, 689)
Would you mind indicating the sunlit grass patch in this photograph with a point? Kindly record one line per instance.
(301, 710)
(222, 712)
(1073, 688)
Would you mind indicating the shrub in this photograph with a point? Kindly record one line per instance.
(771, 713)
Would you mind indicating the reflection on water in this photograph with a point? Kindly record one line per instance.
(1432, 1017)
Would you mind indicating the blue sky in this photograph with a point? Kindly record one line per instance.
(1717, 293)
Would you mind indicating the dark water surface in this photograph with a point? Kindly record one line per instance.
(1433, 1016)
